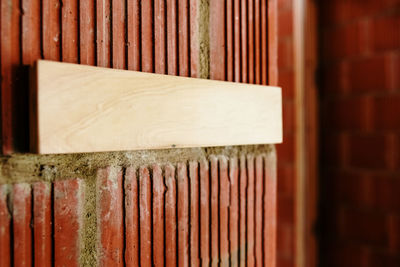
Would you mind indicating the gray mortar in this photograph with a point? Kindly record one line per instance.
(30, 168)
(204, 36)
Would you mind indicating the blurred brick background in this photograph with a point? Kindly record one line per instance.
(360, 100)
(286, 150)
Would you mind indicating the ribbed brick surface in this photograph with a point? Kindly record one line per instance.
(220, 211)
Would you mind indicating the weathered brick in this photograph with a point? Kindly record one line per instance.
(110, 216)
(145, 217)
(42, 224)
(386, 34)
(158, 216)
(68, 204)
(131, 217)
(22, 206)
(5, 220)
(183, 215)
(170, 217)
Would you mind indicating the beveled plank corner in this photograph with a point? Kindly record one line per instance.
(77, 108)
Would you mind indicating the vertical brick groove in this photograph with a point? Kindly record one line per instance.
(219, 211)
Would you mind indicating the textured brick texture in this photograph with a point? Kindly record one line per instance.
(220, 211)
(287, 150)
(360, 106)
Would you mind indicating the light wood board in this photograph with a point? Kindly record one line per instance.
(77, 108)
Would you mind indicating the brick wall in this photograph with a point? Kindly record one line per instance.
(360, 99)
(286, 151)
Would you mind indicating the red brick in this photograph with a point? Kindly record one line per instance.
(170, 217)
(384, 110)
(217, 40)
(351, 188)
(336, 78)
(365, 227)
(386, 192)
(350, 40)
(131, 217)
(147, 36)
(42, 224)
(205, 212)
(386, 33)
(234, 211)
(194, 213)
(145, 217)
(285, 18)
(259, 191)
(5, 216)
(369, 151)
(286, 81)
(158, 216)
(224, 211)
(270, 209)
(383, 258)
(394, 233)
(285, 54)
(118, 34)
(349, 114)
(214, 211)
(347, 255)
(183, 215)
(103, 25)
(335, 150)
(286, 209)
(22, 207)
(286, 241)
(159, 37)
(286, 150)
(110, 217)
(286, 179)
(68, 207)
(242, 211)
(285, 4)
(250, 211)
(369, 75)
(288, 117)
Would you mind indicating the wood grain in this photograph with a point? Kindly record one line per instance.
(77, 108)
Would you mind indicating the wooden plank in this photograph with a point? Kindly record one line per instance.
(86, 109)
